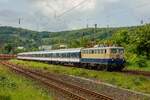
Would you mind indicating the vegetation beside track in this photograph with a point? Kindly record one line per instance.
(136, 67)
(15, 87)
(133, 82)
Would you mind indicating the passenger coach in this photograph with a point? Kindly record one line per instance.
(102, 58)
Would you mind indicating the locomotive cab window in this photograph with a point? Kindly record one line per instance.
(113, 50)
(121, 50)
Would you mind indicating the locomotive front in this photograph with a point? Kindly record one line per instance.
(117, 60)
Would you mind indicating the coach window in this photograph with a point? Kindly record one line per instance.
(105, 51)
(57, 55)
(87, 51)
(99, 51)
(61, 55)
(76, 55)
(83, 51)
(102, 51)
(90, 51)
(67, 55)
(52, 55)
(95, 51)
(46, 55)
(64, 55)
(72, 55)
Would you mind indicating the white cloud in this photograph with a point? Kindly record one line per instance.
(48, 7)
(41, 13)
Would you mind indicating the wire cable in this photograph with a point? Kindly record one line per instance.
(72, 8)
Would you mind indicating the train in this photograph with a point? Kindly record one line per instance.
(109, 58)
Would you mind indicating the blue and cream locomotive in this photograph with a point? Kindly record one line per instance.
(101, 58)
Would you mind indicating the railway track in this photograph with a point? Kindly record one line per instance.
(137, 72)
(7, 56)
(72, 91)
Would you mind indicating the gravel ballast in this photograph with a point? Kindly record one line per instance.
(107, 89)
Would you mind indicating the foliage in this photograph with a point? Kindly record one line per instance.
(31, 40)
(136, 41)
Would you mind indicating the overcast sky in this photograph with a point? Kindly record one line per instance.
(57, 15)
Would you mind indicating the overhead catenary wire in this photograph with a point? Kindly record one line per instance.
(52, 8)
(69, 10)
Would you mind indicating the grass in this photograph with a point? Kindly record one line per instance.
(15, 87)
(133, 82)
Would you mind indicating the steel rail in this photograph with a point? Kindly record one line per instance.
(71, 95)
(137, 72)
(95, 95)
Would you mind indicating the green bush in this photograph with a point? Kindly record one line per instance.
(141, 61)
(3, 97)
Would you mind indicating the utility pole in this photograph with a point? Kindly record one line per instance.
(87, 26)
(19, 21)
(142, 22)
(95, 30)
(94, 33)
(55, 15)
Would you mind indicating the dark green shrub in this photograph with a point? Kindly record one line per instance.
(141, 61)
(2, 97)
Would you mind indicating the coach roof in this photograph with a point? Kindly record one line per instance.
(76, 50)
